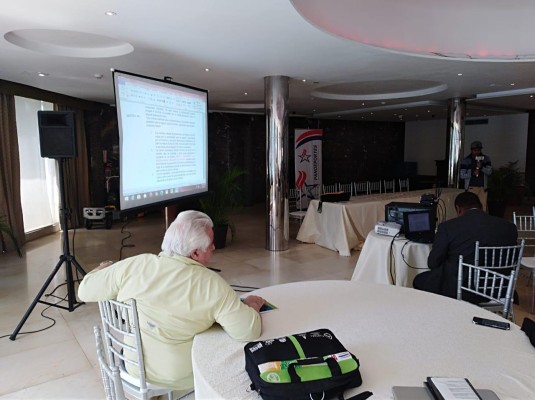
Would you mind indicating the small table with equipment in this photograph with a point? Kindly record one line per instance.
(390, 260)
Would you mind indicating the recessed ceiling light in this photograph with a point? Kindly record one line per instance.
(43, 74)
(245, 93)
(98, 76)
(460, 74)
(303, 80)
(207, 69)
(530, 95)
(512, 84)
(110, 13)
(383, 102)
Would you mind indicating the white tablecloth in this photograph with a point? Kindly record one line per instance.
(384, 259)
(343, 226)
(400, 336)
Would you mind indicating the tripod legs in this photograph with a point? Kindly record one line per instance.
(71, 296)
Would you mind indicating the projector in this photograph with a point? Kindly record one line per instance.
(387, 228)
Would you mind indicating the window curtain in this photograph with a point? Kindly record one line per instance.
(76, 173)
(10, 201)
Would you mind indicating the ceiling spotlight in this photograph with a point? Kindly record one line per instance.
(43, 74)
(110, 13)
(460, 74)
(207, 69)
(362, 103)
(245, 93)
(512, 84)
(303, 80)
(531, 95)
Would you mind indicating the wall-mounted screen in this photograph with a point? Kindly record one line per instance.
(163, 140)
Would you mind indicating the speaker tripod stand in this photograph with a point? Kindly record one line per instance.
(66, 259)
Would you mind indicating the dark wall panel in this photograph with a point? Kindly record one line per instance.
(352, 150)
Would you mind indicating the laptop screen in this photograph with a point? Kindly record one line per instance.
(419, 226)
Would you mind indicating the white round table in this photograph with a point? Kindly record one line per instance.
(400, 335)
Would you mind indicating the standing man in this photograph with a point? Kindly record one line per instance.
(475, 170)
(457, 237)
(177, 297)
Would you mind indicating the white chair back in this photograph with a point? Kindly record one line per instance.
(487, 283)
(111, 375)
(389, 186)
(330, 188)
(122, 340)
(492, 276)
(361, 188)
(346, 187)
(375, 187)
(404, 185)
(298, 206)
(525, 225)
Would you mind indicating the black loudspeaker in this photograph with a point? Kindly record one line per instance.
(57, 134)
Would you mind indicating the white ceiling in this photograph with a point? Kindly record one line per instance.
(361, 59)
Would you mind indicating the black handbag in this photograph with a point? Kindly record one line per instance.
(310, 365)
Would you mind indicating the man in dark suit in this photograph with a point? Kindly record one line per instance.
(458, 236)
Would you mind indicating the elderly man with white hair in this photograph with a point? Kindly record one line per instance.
(177, 297)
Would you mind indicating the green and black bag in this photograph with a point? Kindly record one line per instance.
(310, 365)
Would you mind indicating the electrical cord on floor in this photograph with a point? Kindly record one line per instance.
(128, 236)
(43, 315)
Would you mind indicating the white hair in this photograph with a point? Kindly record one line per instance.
(187, 233)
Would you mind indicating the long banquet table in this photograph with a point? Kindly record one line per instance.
(344, 226)
(388, 260)
(400, 336)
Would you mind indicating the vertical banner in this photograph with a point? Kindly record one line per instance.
(308, 163)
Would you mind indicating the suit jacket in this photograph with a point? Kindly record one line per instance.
(458, 237)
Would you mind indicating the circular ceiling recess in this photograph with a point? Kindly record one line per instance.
(68, 43)
(458, 29)
(380, 90)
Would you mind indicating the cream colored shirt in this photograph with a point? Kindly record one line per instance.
(176, 299)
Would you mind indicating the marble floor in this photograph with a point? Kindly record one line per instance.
(60, 362)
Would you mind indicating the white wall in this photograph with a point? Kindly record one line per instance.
(504, 139)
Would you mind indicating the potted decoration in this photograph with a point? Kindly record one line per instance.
(502, 186)
(6, 228)
(220, 201)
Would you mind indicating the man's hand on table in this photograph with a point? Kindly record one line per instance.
(255, 302)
